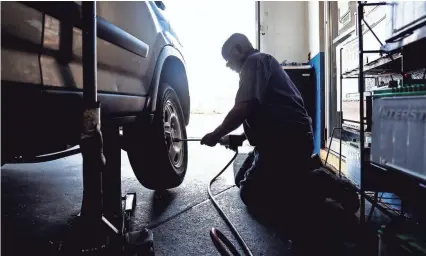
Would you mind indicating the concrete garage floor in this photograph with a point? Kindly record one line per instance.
(40, 200)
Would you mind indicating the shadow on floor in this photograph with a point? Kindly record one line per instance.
(320, 230)
(160, 201)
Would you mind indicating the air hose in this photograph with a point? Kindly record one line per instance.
(219, 239)
(217, 236)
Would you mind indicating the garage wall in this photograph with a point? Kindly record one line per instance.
(289, 30)
(316, 47)
(316, 27)
(284, 30)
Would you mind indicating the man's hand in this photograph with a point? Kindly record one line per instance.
(232, 121)
(210, 139)
(234, 118)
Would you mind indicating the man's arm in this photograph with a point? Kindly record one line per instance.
(253, 78)
(234, 118)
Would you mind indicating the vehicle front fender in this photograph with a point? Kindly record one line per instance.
(167, 52)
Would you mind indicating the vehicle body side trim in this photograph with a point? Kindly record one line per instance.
(111, 104)
(117, 36)
(106, 30)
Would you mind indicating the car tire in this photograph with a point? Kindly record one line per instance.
(157, 161)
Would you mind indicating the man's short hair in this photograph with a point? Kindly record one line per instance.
(233, 40)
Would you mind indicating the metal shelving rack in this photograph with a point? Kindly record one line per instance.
(390, 61)
(361, 83)
(370, 69)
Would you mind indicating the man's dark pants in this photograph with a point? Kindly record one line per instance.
(280, 186)
(276, 172)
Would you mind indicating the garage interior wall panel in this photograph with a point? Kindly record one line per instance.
(349, 56)
(284, 30)
(289, 31)
(314, 33)
(346, 11)
(315, 38)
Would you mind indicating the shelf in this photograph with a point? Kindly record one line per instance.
(397, 181)
(355, 129)
(296, 67)
(386, 65)
(409, 36)
(384, 207)
(416, 176)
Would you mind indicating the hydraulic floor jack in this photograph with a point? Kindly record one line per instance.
(103, 226)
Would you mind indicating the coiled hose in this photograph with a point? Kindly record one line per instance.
(217, 236)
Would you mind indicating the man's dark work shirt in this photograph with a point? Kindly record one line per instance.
(279, 109)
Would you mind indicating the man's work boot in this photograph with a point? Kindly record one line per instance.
(339, 189)
(348, 197)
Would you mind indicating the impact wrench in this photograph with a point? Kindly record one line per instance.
(220, 241)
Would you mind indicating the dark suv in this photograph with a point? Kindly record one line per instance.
(41, 87)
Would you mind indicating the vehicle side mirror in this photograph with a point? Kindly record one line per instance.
(160, 5)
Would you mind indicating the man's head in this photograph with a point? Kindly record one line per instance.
(236, 50)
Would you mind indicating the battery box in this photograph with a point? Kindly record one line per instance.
(399, 130)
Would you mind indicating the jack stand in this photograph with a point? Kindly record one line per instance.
(94, 233)
(103, 227)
